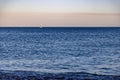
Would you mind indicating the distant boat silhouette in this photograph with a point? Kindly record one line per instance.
(41, 25)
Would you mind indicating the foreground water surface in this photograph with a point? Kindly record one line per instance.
(55, 50)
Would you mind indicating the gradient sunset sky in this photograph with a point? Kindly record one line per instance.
(78, 13)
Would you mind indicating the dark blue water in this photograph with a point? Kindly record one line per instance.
(92, 50)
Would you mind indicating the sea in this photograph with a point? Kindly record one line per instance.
(93, 50)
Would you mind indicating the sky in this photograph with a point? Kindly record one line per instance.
(60, 13)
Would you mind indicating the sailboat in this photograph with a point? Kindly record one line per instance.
(41, 25)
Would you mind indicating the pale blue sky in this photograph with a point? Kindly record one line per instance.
(59, 12)
(85, 6)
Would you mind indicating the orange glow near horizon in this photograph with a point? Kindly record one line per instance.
(61, 13)
(60, 19)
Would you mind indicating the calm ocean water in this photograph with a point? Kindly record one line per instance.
(92, 50)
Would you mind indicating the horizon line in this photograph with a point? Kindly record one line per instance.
(54, 26)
